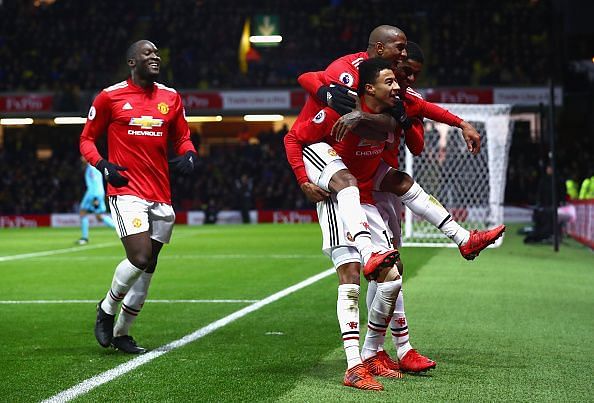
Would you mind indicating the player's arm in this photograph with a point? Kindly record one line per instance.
(311, 132)
(311, 81)
(371, 126)
(182, 144)
(469, 133)
(414, 137)
(97, 123)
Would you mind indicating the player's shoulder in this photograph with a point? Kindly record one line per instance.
(117, 86)
(165, 88)
(353, 59)
(413, 93)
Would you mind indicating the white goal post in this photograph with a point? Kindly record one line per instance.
(470, 187)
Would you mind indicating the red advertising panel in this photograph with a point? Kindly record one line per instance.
(23, 221)
(459, 95)
(201, 100)
(287, 216)
(26, 103)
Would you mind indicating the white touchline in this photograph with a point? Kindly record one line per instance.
(56, 251)
(152, 301)
(98, 380)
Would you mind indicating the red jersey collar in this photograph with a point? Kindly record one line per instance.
(138, 87)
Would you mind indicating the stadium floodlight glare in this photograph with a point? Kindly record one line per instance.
(16, 121)
(70, 120)
(266, 38)
(197, 119)
(263, 118)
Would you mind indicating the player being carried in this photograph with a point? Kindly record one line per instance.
(310, 154)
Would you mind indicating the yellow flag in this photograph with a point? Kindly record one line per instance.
(244, 47)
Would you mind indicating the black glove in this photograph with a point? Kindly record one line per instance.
(111, 174)
(337, 97)
(184, 164)
(399, 113)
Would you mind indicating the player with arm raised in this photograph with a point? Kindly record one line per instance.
(140, 117)
(362, 157)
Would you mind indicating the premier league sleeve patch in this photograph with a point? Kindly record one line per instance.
(346, 79)
(319, 118)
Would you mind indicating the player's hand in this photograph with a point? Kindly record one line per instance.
(314, 193)
(111, 174)
(184, 164)
(398, 112)
(337, 97)
(345, 124)
(472, 137)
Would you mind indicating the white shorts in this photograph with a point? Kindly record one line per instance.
(391, 209)
(334, 233)
(133, 215)
(388, 204)
(321, 163)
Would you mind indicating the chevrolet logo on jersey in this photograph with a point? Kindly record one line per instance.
(146, 122)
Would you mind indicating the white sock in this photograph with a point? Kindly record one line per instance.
(355, 220)
(430, 209)
(347, 310)
(125, 275)
(399, 327)
(132, 304)
(371, 291)
(379, 317)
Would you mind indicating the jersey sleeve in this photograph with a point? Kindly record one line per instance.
(341, 72)
(96, 125)
(179, 130)
(311, 82)
(315, 130)
(414, 137)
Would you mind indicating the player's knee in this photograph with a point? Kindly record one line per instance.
(141, 260)
(349, 273)
(342, 179)
(390, 273)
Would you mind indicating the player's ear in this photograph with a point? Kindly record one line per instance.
(131, 63)
(369, 89)
(379, 48)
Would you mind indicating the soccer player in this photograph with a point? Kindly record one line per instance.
(344, 71)
(140, 117)
(378, 89)
(93, 202)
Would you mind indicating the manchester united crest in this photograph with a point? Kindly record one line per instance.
(163, 108)
(136, 222)
(332, 152)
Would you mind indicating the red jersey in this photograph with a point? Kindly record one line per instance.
(417, 107)
(361, 156)
(138, 123)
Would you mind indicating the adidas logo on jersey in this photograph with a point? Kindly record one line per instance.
(127, 106)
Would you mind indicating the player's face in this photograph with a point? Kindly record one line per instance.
(386, 88)
(407, 73)
(394, 50)
(148, 61)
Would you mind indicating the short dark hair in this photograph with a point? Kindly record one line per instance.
(414, 52)
(369, 70)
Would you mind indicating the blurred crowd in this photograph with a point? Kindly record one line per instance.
(232, 177)
(68, 46)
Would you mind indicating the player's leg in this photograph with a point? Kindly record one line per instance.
(325, 169)
(131, 214)
(388, 283)
(84, 228)
(428, 207)
(162, 218)
(347, 261)
(101, 215)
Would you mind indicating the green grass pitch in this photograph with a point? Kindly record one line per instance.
(516, 324)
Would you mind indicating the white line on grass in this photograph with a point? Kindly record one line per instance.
(166, 256)
(55, 251)
(152, 301)
(98, 380)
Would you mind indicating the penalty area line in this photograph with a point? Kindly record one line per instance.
(107, 376)
(55, 252)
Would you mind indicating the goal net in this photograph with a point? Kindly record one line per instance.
(470, 187)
